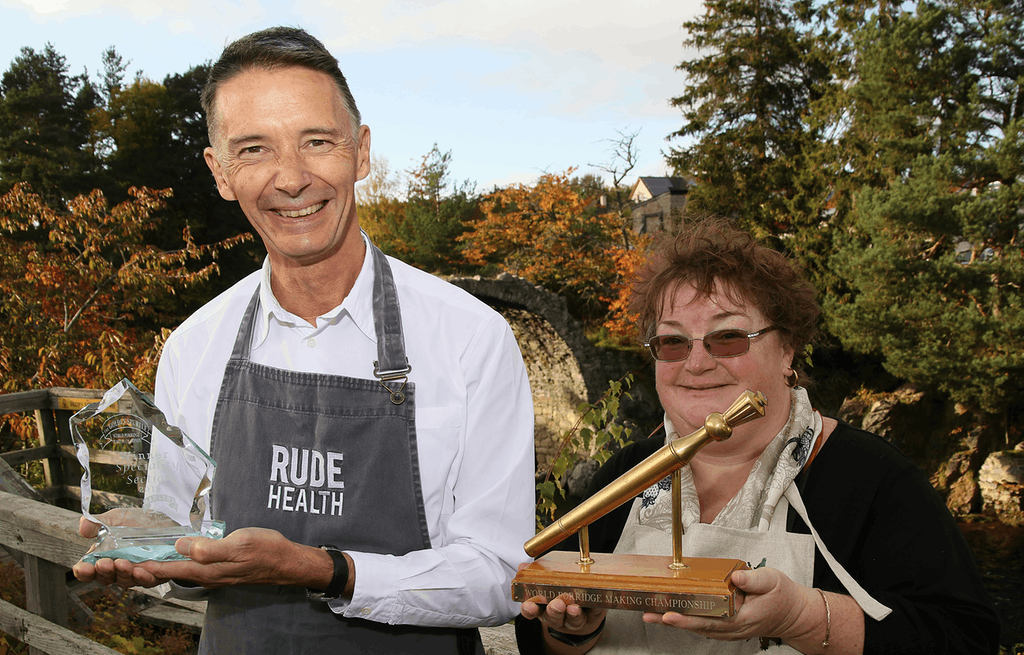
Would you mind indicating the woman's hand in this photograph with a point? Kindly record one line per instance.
(772, 605)
(563, 615)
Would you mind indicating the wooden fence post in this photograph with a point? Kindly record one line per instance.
(53, 467)
(46, 590)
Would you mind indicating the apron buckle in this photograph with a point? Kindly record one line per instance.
(397, 396)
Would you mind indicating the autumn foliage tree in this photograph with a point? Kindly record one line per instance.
(76, 306)
(554, 234)
(381, 210)
(423, 228)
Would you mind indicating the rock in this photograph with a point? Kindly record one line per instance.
(1001, 480)
(894, 413)
(877, 419)
(853, 410)
(500, 640)
(580, 477)
(958, 479)
(964, 495)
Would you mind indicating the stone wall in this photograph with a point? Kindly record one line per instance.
(661, 214)
(564, 368)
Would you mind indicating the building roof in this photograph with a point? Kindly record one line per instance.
(652, 187)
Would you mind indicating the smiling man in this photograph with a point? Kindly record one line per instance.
(372, 425)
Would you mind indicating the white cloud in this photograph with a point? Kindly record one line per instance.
(42, 7)
(583, 57)
(215, 13)
(514, 87)
(180, 26)
(609, 29)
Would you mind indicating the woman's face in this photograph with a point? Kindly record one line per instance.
(701, 384)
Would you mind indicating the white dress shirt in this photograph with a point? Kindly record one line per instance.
(474, 427)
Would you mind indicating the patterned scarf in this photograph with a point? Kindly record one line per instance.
(752, 507)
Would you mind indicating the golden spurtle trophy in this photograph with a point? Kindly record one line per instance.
(651, 583)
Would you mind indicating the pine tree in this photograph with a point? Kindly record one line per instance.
(749, 140)
(931, 257)
(155, 134)
(44, 126)
(436, 213)
(747, 95)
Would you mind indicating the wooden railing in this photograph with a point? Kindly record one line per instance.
(45, 539)
(40, 528)
(61, 472)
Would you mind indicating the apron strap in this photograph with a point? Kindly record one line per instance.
(392, 366)
(243, 342)
(871, 607)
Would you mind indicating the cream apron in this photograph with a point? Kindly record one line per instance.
(791, 553)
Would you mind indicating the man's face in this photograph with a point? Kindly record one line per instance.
(285, 151)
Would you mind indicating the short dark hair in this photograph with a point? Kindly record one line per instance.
(710, 251)
(270, 49)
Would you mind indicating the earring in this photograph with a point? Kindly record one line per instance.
(792, 379)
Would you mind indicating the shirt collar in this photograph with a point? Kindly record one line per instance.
(357, 305)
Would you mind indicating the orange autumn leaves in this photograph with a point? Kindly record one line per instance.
(556, 234)
(80, 288)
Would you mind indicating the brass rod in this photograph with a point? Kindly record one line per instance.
(672, 456)
(677, 520)
(585, 557)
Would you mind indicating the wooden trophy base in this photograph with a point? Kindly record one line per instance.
(634, 582)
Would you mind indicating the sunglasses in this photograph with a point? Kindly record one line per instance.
(720, 343)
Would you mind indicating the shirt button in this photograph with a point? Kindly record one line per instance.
(311, 342)
(365, 611)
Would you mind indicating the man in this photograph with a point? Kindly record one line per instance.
(372, 425)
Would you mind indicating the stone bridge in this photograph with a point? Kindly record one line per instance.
(564, 368)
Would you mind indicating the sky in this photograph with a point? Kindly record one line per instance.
(513, 88)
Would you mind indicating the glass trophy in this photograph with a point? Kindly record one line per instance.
(134, 449)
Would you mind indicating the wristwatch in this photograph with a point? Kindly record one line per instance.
(338, 580)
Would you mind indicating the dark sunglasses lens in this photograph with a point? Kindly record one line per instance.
(727, 343)
(670, 348)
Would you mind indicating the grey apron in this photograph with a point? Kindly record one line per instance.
(323, 459)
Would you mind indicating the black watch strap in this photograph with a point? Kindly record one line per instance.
(575, 640)
(338, 580)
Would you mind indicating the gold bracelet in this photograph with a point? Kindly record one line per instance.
(828, 620)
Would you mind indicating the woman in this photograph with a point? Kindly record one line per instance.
(723, 315)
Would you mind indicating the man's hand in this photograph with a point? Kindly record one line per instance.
(246, 556)
(121, 572)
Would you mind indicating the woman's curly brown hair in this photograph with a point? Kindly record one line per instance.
(713, 255)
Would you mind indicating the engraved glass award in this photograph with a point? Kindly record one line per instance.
(132, 448)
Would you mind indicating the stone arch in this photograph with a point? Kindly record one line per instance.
(564, 368)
